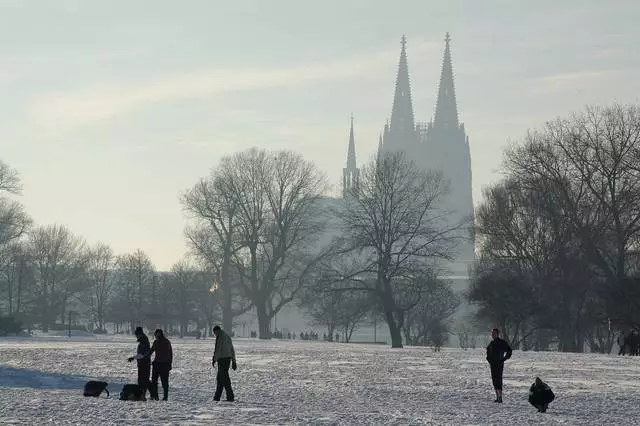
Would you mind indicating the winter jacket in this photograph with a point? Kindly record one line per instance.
(498, 351)
(162, 348)
(143, 348)
(224, 347)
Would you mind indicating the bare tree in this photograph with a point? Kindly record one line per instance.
(185, 278)
(214, 239)
(524, 235)
(136, 273)
(14, 221)
(333, 308)
(591, 162)
(59, 261)
(18, 275)
(101, 263)
(427, 323)
(276, 194)
(394, 225)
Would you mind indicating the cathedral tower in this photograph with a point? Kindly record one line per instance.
(350, 174)
(447, 147)
(400, 134)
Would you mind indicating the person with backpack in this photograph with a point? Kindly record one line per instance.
(144, 364)
(225, 355)
(540, 395)
(498, 352)
(161, 364)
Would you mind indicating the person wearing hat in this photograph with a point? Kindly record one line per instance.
(144, 364)
(498, 352)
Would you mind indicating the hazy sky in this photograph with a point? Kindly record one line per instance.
(109, 109)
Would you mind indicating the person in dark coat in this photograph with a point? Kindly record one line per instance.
(144, 364)
(540, 395)
(225, 355)
(498, 352)
(161, 364)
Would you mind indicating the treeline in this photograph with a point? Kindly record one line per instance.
(50, 276)
(261, 235)
(559, 234)
(557, 239)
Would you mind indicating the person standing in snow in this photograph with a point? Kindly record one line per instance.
(498, 352)
(225, 355)
(161, 364)
(144, 364)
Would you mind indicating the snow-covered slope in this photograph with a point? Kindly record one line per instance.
(285, 382)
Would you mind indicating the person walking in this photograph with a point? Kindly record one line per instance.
(498, 351)
(144, 364)
(161, 364)
(225, 355)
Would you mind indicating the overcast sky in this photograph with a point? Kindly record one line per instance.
(109, 109)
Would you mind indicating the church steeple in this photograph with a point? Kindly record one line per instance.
(400, 134)
(350, 174)
(351, 151)
(446, 108)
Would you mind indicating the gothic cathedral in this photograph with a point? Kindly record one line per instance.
(440, 144)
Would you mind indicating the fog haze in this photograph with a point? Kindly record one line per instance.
(110, 109)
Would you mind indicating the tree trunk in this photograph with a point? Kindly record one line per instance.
(394, 330)
(264, 322)
(396, 335)
(331, 328)
(227, 302)
(227, 310)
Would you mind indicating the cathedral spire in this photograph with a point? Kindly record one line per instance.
(351, 151)
(402, 129)
(350, 174)
(446, 108)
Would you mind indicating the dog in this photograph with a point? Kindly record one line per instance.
(131, 392)
(95, 388)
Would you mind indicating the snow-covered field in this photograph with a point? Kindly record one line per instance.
(285, 382)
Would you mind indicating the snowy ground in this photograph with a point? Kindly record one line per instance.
(285, 382)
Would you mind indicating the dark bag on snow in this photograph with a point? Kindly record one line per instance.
(95, 388)
(131, 392)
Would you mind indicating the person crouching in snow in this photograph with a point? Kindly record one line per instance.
(498, 352)
(225, 355)
(540, 395)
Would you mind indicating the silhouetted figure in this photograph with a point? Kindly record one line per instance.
(225, 355)
(622, 342)
(540, 395)
(634, 343)
(498, 352)
(144, 364)
(630, 344)
(161, 364)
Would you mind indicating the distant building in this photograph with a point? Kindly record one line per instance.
(440, 144)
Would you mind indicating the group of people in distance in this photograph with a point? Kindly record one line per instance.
(498, 351)
(224, 354)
